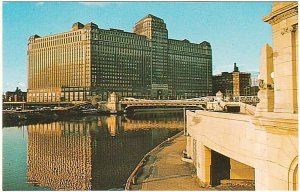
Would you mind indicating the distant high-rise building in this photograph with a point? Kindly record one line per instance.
(89, 61)
(232, 84)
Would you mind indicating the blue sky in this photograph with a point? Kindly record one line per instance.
(234, 29)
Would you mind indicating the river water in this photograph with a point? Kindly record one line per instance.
(83, 153)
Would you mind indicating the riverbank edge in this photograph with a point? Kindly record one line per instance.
(14, 118)
(133, 176)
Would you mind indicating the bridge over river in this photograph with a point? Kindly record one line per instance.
(205, 103)
(114, 105)
(142, 103)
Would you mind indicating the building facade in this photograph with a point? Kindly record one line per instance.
(232, 84)
(89, 61)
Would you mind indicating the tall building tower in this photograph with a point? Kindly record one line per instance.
(155, 30)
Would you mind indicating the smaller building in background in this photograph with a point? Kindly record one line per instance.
(15, 96)
(254, 79)
(233, 84)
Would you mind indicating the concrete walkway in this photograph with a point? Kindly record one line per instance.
(164, 169)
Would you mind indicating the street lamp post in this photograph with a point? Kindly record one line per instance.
(184, 122)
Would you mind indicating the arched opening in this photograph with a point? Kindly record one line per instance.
(293, 175)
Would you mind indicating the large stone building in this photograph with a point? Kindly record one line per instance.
(261, 145)
(89, 61)
(231, 84)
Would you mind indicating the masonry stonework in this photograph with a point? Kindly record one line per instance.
(265, 143)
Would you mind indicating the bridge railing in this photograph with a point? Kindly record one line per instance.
(246, 103)
(160, 101)
(246, 99)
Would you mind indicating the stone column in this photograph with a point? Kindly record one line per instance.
(284, 22)
(203, 164)
(189, 146)
(266, 91)
(285, 67)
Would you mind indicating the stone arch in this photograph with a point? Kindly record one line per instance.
(293, 175)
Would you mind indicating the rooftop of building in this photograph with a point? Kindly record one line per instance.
(235, 70)
(229, 73)
(151, 17)
(78, 26)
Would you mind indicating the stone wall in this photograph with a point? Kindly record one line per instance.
(269, 150)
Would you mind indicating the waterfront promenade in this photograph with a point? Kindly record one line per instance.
(165, 170)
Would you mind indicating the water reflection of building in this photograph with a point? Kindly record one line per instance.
(59, 155)
(130, 124)
(116, 124)
(117, 150)
(113, 123)
(95, 153)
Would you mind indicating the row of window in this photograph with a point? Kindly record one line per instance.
(183, 50)
(58, 36)
(56, 42)
(120, 33)
(72, 52)
(123, 38)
